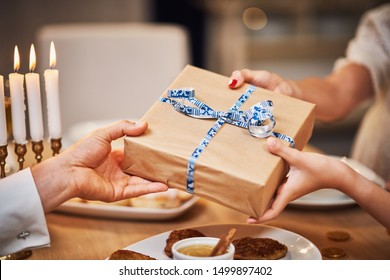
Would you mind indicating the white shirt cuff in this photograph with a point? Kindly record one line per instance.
(22, 219)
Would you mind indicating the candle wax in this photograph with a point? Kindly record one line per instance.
(53, 103)
(3, 121)
(16, 82)
(34, 106)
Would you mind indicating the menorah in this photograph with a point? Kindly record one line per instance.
(17, 107)
(16, 85)
(21, 150)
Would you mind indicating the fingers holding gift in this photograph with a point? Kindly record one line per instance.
(265, 79)
(122, 128)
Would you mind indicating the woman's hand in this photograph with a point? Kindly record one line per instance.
(308, 172)
(264, 79)
(347, 87)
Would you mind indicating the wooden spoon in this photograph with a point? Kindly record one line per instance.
(223, 243)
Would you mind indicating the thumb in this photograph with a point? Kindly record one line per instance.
(124, 128)
(135, 129)
(278, 148)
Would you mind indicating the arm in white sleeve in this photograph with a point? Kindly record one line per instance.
(22, 219)
(371, 47)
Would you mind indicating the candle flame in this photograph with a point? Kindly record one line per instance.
(52, 55)
(16, 59)
(32, 58)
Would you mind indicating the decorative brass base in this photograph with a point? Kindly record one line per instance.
(17, 256)
(56, 146)
(20, 150)
(37, 148)
(3, 156)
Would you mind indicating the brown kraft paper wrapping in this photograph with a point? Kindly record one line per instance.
(235, 169)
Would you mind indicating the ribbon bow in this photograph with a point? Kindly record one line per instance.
(259, 120)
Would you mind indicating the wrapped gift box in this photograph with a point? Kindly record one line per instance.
(235, 169)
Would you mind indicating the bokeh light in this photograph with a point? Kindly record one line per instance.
(254, 18)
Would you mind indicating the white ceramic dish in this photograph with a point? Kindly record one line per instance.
(323, 199)
(196, 241)
(332, 198)
(299, 248)
(126, 212)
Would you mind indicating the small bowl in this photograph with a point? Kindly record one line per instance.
(198, 242)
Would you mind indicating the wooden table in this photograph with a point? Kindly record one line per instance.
(78, 237)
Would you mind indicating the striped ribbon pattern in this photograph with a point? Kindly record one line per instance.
(258, 120)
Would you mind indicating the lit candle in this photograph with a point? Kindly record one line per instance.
(3, 121)
(16, 81)
(52, 97)
(34, 100)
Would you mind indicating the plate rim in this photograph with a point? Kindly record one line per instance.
(299, 202)
(125, 212)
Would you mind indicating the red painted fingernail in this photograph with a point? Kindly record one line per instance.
(233, 83)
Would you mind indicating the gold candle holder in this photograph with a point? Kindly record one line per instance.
(56, 146)
(37, 148)
(17, 256)
(3, 156)
(20, 151)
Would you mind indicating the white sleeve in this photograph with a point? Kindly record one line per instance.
(371, 47)
(22, 219)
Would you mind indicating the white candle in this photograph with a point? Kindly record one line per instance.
(3, 120)
(18, 107)
(34, 100)
(52, 97)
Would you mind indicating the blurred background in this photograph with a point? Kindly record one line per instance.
(296, 39)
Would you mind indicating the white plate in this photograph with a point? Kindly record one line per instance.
(125, 212)
(333, 198)
(323, 199)
(299, 248)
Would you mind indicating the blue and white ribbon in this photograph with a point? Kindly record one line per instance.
(258, 120)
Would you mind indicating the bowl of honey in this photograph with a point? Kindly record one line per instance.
(200, 248)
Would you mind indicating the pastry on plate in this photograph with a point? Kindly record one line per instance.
(177, 235)
(124, 202)
(172, 198)
(249, 248)
(128, 255)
